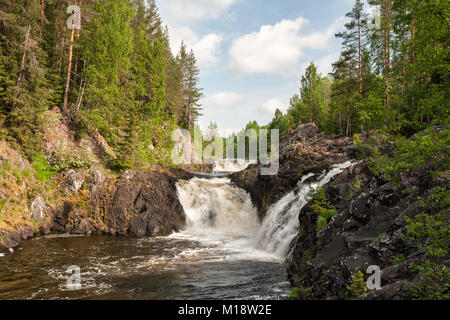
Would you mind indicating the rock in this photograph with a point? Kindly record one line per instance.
(74, 180)
(60, 217)
(97, 180)
(44, 229)
(38, 208)
(369, 230)
(146, 204)
(86, 226)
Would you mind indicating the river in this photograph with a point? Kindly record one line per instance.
(225, 252)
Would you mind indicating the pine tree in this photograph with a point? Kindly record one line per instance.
(354, 39)
(191, 93)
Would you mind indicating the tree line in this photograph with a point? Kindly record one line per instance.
(392, 76)
(116, 75)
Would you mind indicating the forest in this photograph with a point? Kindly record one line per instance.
(391, 76)
(108, 68)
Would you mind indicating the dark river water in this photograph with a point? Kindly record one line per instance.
(127, 268)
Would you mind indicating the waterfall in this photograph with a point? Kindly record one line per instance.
(281, 224)
(216, 207)
(223, 215)
(227, 165)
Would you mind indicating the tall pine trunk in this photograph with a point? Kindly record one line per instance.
(25, 49)
(41, 34)
(359, 58)
(69, 69)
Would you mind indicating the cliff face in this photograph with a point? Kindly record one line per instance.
(302, 152)
(146, 204)
(370, 229)
(87, 201)
(370, 223)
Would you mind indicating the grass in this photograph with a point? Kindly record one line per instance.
(43, 170)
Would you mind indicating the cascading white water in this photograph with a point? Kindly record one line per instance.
(222, 215)
(215, 206)
(281, 224)
(227, 165)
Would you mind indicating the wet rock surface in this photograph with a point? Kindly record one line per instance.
(302, 152)
(369, 230)
(146, 204)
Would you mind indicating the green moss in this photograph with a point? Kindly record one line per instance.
(381, 236)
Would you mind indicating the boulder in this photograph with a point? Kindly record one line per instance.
(38, 208)
(146, 204)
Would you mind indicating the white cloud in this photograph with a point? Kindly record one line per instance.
(270, 106)
(222, 100)
(206, 49)
(191, 11)
(325, 64)
(276, 49)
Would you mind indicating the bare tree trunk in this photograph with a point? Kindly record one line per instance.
(413, 38)
(25, 49)
(388, 69)
(69, 70)
(78, 37)
(359, 58)
(41, 34)
(61, 55)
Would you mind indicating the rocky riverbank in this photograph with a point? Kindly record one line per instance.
(303, 151)
(369, 226)
(137, 203)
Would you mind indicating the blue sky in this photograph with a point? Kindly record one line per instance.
(252, 53)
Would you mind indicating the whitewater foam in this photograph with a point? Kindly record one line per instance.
(223, 219)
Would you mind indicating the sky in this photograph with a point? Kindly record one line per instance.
(252, 53)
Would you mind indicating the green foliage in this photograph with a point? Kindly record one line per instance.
(324, 217)
(434, 233)
(319, 201)
(322, 208)
(398, 259)
(26, 173)
(43, 169)
(63, 159)
(381, 236)
(6, 165)
(427, 148)
(358, 286)
(293, 295)
(3, 203)
(435, 281)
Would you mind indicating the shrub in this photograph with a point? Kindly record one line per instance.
(358, 286)
(322, 208)
(398, 259)
(434, 277)
(293, 295)
(63, 159)
(427, 148)
(43, 170)
(324, 217)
